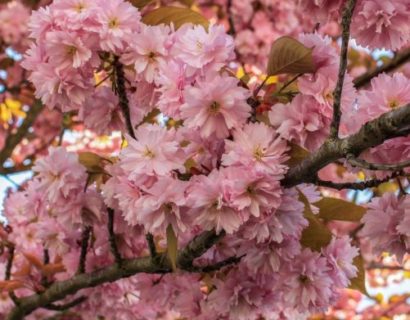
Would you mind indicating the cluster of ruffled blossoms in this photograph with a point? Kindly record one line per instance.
(306, 119)
(205, 165)
(375, 23)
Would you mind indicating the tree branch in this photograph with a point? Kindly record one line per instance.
(14, 139)
(398, 60)
(337, 93)
(393, 124)
(129, 267)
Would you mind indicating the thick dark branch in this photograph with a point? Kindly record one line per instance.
(14, 139)
(121, 91)
(113, 241)
(337, 93)
(85, 238)
(129, 267)
(398, 60)
(66, 306)
(395, 123)
(360, 163)
(363, 185)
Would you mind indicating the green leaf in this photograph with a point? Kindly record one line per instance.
(175, 15)
(338, 209)
(288, 55)
(140, 3)
(172, 247)
(316, 235)
(359, 283)
(297, 154)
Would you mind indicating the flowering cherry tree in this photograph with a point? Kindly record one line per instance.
(202, 160)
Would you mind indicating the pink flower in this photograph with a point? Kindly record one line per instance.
(67, 49)
(206, 198)
(240, 297)
(257, 146)
(154, 152)
(101, 112)
(161, 205)
(309, 287)
(382, 224)
(119, 21)
(382, 23)
(301, 121)
(199, 48)
(340, 254)
(60, 174)
(267, 258)
(286, 221)
(172, 81)
(250, 191)
(323, 10)
(148, 51)
(215, 105)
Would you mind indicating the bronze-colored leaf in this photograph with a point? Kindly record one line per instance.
(176, 16)
(92, 162)
(288, 55)
(316, 235)
(338, 209)
(359, 283)
(36, 262)
(52, 269)
(297, 154)
(172, 247)
(140, 3)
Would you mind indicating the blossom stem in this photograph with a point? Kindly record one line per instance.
(337, 93)
(360, 163)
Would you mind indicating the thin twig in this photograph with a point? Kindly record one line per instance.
(363, 185)
(113, 242)
(360, 163)
(84, 247)
(66, 306)
(337, 93)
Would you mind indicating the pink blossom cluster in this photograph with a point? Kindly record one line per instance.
(208, 165)
(306, 119)
(375, 23)
(13, 28)
(393, 234)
